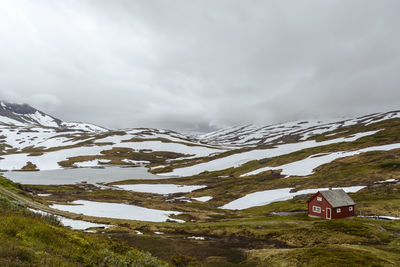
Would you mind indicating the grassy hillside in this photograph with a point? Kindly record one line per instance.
(30, 239)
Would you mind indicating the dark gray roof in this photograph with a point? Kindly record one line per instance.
(337, 198)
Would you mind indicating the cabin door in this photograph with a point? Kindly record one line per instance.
(328, 213)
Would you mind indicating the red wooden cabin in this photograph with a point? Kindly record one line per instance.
(331, 204)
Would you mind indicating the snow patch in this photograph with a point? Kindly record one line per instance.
(117, 211)
(74, 224)
(202, 199)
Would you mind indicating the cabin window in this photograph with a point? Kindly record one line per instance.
(350, 208)
(316, 209)
(338, 210)
(319, 199)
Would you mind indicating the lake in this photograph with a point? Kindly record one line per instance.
(77, 175)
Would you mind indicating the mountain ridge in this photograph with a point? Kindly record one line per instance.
(26, 115)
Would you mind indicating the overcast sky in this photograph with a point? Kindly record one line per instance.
(190, 65)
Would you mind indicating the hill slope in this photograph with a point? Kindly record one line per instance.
(24, 115)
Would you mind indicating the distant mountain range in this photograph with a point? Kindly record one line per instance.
(30, 135)
(12, 114)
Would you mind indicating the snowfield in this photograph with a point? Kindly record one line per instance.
(269, 196)
(49, 160)
(238, 159)
(160, 188)
(74, 224)
(117, 211)
(306, 166)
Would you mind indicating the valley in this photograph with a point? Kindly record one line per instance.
(234, 197)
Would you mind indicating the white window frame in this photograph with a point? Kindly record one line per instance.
(351, 208)
(338, 210)
(316, 209)
(319, 198)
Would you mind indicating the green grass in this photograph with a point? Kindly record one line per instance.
(29, 239)
(322, 255)
(11, 186)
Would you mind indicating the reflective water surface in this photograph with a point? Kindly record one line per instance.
(77, 175)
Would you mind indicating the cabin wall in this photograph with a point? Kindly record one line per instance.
(322, 204)
(344, 212)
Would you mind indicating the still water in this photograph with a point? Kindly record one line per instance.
(78, 175)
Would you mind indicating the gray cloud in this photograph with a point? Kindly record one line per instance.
(200, 64)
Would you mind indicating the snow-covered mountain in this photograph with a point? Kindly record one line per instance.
(251, 135)
(29, 135)
(24, 115)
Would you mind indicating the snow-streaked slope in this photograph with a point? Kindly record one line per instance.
(19, 138)
(176, 144)
(306, 166)
(26, 116)
(42, 119)
(238, 159)
(82, 126)
(46, 138)
(297, 130)
(269, 196)
(8, 121)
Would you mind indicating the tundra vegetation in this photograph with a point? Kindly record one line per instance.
(277, 234)
(32, 239)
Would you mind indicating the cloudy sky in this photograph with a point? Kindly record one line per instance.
(191, 65)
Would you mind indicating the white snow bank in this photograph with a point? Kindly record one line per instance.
(117, 211)
(161, 188)
(388, 181)
(269, 196)
(91, 163)
(238, 159)
(202, 199)
(44, 195)
(74, 224)
(306, 166)
(159, 233)
(137, 162)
